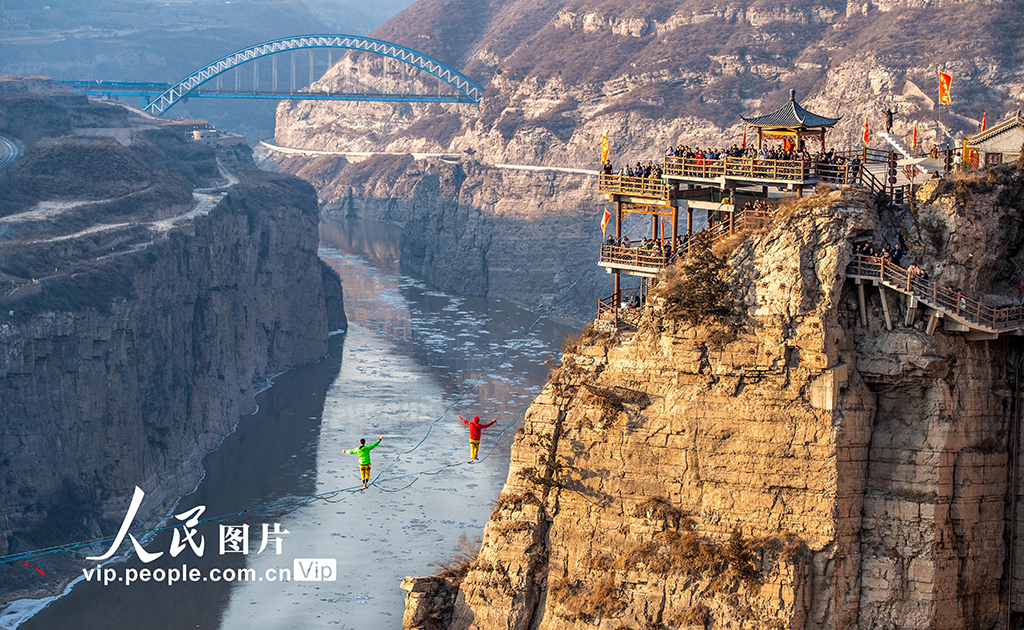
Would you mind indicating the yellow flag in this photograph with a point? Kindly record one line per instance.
(604, 148)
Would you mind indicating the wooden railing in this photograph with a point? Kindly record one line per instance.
(606, 308)
(867, 156)
(951, 301)
(721, 225)
(633, 186)
(653, 259)
(737, 168)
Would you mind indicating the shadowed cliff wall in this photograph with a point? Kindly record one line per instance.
(156, 365)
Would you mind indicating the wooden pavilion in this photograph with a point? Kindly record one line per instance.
(791, 121)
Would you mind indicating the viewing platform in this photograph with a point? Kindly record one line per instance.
(732, 172)
(635, 190)
(636, 261)
(711, 180)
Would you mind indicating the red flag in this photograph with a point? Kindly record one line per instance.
(867, 133)
(913, 143)
(744, 136)
(983, 120)
(604, 222)
(945, 83)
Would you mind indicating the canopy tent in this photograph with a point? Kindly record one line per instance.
(791, 120)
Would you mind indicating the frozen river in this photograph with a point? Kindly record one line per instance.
(411, 360)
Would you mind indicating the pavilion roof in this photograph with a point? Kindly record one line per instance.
(792, 116)
(1006, 125)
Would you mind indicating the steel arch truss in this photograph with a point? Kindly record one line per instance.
(460, 82)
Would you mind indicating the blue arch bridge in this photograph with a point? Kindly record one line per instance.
(452, 86)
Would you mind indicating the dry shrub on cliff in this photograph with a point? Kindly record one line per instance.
(455, 566)
(654, 509)
(535, 477)
(584, 603)
(739, 556)
(697, 293)
(697, 615)
(723, 247)
(573, 342)
(514, 502)
(607, 404)
(689, 554)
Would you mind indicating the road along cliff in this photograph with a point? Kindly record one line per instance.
(794, 463)
(149, 288)
(560, 73)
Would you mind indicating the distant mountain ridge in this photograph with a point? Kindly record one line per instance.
(559, 73)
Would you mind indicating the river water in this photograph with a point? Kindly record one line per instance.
(408, 353)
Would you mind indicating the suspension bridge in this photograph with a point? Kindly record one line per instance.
(247, 80)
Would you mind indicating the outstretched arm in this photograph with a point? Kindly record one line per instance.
(463, 420)
(484, 426)
(374, 445)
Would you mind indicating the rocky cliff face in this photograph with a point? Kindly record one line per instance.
(477, 230)
(560, 73)
(789, 468)
(125, 368)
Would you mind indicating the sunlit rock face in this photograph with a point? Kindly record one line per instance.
(790, 467)
(560, 73)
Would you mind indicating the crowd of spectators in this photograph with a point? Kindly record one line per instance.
(830, 165)
(655, 247)
(641, 170)
(894, 255)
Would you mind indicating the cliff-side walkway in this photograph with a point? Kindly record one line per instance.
(957, 311)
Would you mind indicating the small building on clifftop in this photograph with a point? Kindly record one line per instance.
(1001, 143)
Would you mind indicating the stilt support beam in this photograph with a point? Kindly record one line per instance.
(885, 307)
(980, 335)
(863, 303)
(912, 309)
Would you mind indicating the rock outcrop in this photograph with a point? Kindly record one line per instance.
(132, 360)
(789, 467)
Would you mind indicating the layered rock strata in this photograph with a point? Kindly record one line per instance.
(124, 368)
(788, 468)
(560, 73)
